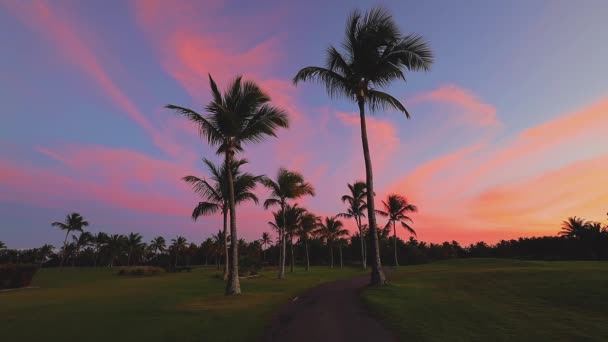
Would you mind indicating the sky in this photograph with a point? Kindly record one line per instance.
(508, 135)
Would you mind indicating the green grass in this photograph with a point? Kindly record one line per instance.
(496, 300)
(97, 305)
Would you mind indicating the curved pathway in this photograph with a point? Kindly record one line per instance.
(329, 312)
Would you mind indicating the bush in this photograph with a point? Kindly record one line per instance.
(140, 271)
(15, 276)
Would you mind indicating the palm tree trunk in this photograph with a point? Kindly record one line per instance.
(283, 248)
(129, 256)
(377, 275)
(341, 263)
(232, 286)
(217, 261)
(307, 257)
(331, 256)
(227, 257)
(363, 261)
(395, 244)
(291, 247)
(65, 250)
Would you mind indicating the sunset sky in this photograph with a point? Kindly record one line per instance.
(508, 135)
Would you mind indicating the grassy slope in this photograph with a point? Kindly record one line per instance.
(496, 300)
(96, 305)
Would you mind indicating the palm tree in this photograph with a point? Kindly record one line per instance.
(308, 223)
(289, 185)
(44, 252)
(293, 216)
(178, 245)
(74, 222)
(266, 240)
(116, 243)
(356, 209)
(2, 245)
(217, 195)
(133, 242)
(241, 115)
(99, 241)
(341, 243)
(573, 227)
(158, 244)
(331, 231)
(218, 243)
(375, 53)
(395, 208)
(80, 241)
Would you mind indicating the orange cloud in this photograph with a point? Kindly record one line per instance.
(476, 112)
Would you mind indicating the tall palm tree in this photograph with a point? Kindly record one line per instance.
(133, 242)
(178, 245)
(330, 231)
(395, 208)
(309, 222)
(289, 185)
(342, 242)
(241, 115)
(573, 227)
(99, 241)
(375, 53)
(356, 210)
(217, 193)
(74, 222)
(266, 240)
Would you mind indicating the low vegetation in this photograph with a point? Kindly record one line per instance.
(497, 300)
(140, 271)
(15, 276)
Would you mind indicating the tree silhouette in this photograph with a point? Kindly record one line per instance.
(74, 222)
(395, 208)
(242, 114)
(375, 53)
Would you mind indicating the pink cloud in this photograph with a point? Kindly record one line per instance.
(475, 111)
(78, 51)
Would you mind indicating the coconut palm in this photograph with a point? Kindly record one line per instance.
(219, 241)
(178, 245)
(158, 244)
(395, 208)
(289, 185)
(83, 240)
(293, 216)
(133, 243)
(330, 231)
(99, 241)
(44, 252)
(241, 115)
(74, 222)
(573, 227)
(341, 243)
(266, 240)
(356, 210)
(308, 224)
(375, 53)
(217, 196)
(116, 244)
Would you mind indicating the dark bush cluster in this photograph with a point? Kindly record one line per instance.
(14, 276)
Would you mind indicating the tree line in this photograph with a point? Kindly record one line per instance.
(313, 243)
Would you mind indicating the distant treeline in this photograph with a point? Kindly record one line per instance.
(578, 240)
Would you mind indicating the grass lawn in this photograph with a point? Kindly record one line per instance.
(496, 300)
(97, 305)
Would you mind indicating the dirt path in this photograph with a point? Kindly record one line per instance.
(330, 312)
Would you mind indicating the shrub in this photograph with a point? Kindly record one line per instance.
(15, 276)
(140, 271)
